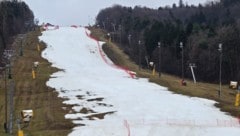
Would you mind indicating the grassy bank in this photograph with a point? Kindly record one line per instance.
(202, 90)
(32, 93)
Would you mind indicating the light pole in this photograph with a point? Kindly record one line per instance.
(21, 48)
(7, 75)
(109, 37)
(159, 59)
(120, 33)
(114, 27)
(181, 46)
(139, 55)
(104, 25)
(114, 31)
(5, 68)
(107, 24)
(129, 39)
(220, 70)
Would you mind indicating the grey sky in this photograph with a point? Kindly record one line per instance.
(79, 12)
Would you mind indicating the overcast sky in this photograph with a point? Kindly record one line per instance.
(81, 12)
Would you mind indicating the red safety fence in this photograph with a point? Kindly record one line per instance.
(186, 123)
(103, 56)
(127, 126)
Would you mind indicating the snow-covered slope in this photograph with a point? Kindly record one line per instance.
(108, 102)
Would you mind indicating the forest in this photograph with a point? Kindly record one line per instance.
(175, 37)
(15, 18)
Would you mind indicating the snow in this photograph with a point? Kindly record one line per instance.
(131, 106)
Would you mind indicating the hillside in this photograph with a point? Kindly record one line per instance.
(88, 86)
(200, 29)
(173, 83)
(106, 100)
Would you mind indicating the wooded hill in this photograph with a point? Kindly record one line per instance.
(200, 29)
(15, 18)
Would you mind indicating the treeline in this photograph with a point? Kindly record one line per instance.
(15, 18)
(200, 29)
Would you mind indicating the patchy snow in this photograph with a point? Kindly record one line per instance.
(108, 102)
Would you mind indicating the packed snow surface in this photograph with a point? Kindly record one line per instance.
(108, 102)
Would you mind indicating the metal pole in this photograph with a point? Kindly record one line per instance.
(113, 36)
(139, 55)
(114, 27)
(19, 124)
(21, 48)
(6, 105)
(109, 37)
(220, 71)
(8, 55)
(104, 27)
(181, 46)
(129, 40)
(191, 67)
(11, 106)
(120, 28)
(159, 59)
(114, 31)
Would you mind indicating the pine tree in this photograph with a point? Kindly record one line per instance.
(181, 5)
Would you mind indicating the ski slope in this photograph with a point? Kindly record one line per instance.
(108, 102)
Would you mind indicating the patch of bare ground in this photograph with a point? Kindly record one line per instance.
(86, 111)
(99, 115)
(95, 99)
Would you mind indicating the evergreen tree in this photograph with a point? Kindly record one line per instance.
(181, 4)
